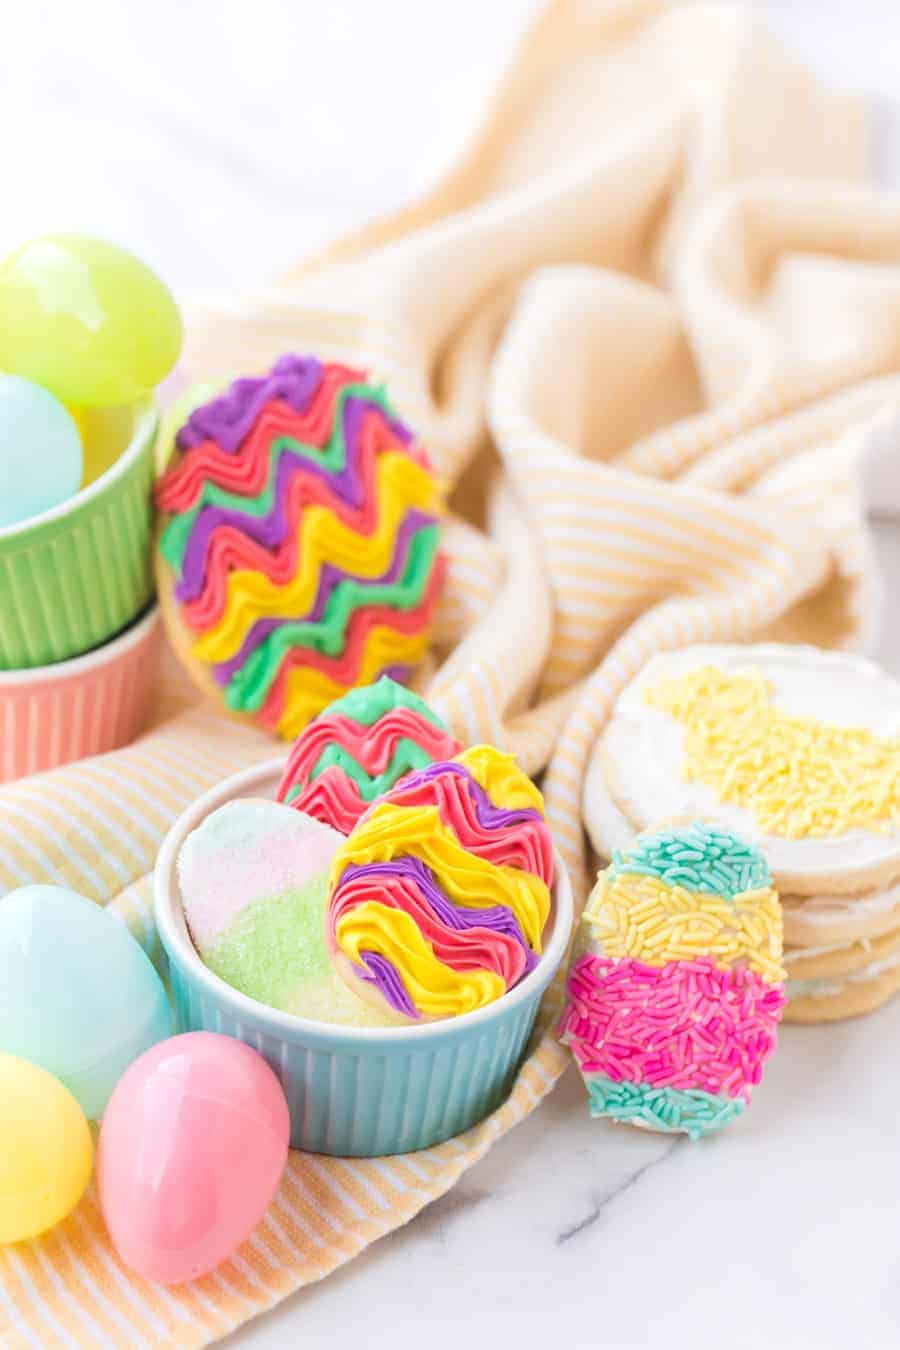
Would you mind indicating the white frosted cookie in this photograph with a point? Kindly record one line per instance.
(796, 749)
(828, 983)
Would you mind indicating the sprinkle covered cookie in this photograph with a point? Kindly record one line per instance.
(795, 749)
(439, 897)
(358, 748)
(299, 544)
(676, 988)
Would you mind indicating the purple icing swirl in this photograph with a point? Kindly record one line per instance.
(489, 816)
(272, 529)
(227, 420)
(381, 972)
(498, 919)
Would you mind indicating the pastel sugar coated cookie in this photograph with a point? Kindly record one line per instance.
(299, 550)
(358, 748)
(254, 882)
(40, 450)
(676, 988)
(439, 897)
(87, 320)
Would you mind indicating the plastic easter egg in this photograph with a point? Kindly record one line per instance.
(40, 450)
(191, 1152)
(86, 319)
(78, 995)
(45, 1150)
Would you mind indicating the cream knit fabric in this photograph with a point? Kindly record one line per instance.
(647, 324)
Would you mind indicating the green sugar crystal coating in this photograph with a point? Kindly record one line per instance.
(275, 953)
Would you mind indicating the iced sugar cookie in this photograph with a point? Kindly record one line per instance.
(439, 897)
(299, 543)
(840, 980)
(253, 880)
(675, 990)
(797, 749)
(358, 748)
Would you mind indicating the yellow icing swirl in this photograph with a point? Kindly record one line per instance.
(800, 777)
(435, 988)
(390, 831)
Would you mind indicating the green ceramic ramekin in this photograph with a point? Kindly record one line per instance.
(73, 577)
(357, 1092)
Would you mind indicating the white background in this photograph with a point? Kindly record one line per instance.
(221, 141)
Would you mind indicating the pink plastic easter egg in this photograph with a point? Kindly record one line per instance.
(192, 1148)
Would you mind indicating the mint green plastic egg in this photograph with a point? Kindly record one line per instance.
(87, 320)
(78, 994)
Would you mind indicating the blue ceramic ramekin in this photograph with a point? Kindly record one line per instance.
(357, 1092)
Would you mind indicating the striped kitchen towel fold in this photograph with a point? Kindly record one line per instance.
(647, 324)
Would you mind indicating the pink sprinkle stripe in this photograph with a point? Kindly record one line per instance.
(683, 1025)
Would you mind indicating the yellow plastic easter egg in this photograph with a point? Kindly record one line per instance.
(46, 1152)
(87, 320)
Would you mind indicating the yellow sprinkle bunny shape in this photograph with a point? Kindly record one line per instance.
(800, 777)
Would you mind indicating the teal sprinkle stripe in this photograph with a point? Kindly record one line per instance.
(690, 1111)
(698, 857)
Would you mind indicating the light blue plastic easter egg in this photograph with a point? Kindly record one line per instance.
(78, 995)
(40, 451)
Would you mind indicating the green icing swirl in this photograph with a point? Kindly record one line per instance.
(699, 857)
(406, 758)
(370, 702)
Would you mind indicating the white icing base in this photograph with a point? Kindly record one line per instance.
(642, 754)
(828, 988)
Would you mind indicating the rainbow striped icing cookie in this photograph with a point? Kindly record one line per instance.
(676, 989)
(439, 897)
(298, 552)
(358, 748)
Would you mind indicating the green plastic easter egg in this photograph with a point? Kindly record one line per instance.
(87, 320)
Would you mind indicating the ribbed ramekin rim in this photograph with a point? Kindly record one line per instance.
(286, 1026)
(107, 654)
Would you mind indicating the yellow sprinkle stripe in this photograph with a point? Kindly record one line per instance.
(800, 777)
(642, 917)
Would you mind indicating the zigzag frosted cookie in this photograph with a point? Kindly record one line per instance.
(358, 748)
(298, 550)
(675, 990)
(439, 897)
(794, 748)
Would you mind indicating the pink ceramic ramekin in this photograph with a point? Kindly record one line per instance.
(50, 715)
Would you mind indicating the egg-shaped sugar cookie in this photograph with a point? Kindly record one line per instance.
(358, 748)
(299, 551)
(675, 989)
(439, 897)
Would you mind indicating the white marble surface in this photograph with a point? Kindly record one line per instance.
(221, 140)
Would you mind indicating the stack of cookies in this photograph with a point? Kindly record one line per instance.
(798, 751)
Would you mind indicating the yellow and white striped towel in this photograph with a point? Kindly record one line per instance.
(647, 323)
